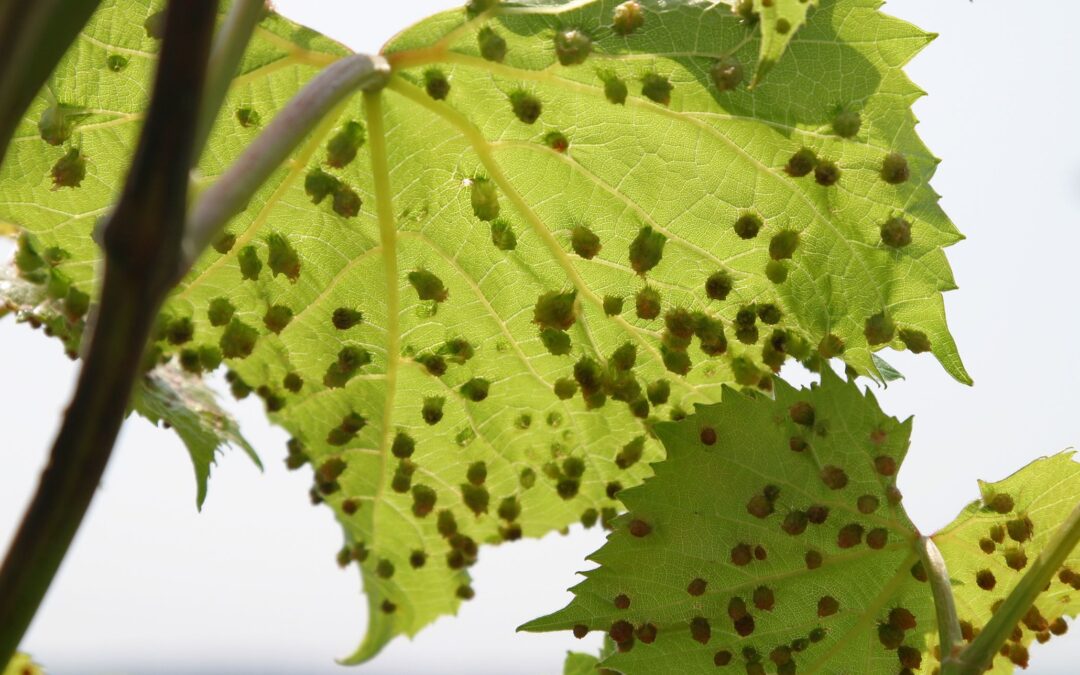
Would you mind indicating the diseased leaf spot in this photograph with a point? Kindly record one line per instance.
(238, 340)
(776, 271)
(646, 633)
(69, 170)
(484, 198)
(475, 497)
(622, 601)
(627, 17)
(885, 465)
(283, 258)
(783, 26)
(722, 658)
(826, 173)
(319, 185)
(827, 606)
(646, 250)
(877, 538)
(116, 62)
(656, 88)
(697, 587)
(985, 580)
(572, 47)
(879, 329)
(727, 73)
(700, 630)
(889, 636)
(277, 317)
(802, 413)
(1016, 559)
(741, 555)
(849, 536)
(350, 425)
(555, 310)
(476, 389)
(639, 528)
(585, 242)
(896, 232)
(526, 106)
(707, 435)
(801, 163)
(615, 89)
(248, 117)
(783, 244)
(1020, 529)
(613, 305)
(349, 360)
(647, 303)
(795, 522)
(250, 265)
(718, 285)
(220, 311)
(813, 560)
(225, 243)
(847, 123)
(867, 504)
(492, 45)
(424, 499)
(342, 147)
(345, 318)
(180, 331)
(764, 599)
(659, 392)
(155, 25)
(565, 388)
(428, 286)
(346, 202)
(894, 169)
(915, 340)
(997, 533)
(436, 84)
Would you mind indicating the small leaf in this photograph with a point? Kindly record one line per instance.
(184, 403)
(743, 547)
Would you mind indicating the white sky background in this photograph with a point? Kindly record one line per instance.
(151, 587)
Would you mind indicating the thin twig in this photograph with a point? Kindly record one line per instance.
(230, 194)
(141, 242)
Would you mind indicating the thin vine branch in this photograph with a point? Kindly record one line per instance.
(949, 635)
(141, 242)
(230, 42)
(230, 194)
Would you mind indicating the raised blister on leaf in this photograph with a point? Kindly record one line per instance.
(727, 73)
(436, 84)
(572, 46)
(484, 197)
(627, 17)
(69, 170)
(342, 147)
(657, 88)
(492, 45)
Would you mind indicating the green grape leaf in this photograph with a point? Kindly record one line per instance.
(773, 539)
(780, 19)
(165, 395)
(994, 540)
(22, 664)
(578, 663)
(470, 296)
(180, 401)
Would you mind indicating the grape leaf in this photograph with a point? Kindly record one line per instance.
(996, 537)
(780, 19)
(165, 394)
(21, 664)
(469, 297)
(773, 537)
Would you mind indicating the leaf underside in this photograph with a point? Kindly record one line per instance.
(415, 344)
(780, 19)
(166, 395)
(773, 535)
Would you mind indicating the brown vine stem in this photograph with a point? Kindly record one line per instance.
(141, 241)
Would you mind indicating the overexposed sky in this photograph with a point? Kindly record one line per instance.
(250, 585)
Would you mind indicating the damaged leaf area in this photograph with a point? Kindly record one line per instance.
(166, 395)
(471, 297)
(773, 539)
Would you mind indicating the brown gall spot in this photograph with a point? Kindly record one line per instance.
(700, 630)
(834, 477)
(622, 601)
(827, 606)
(801, 163)
(817, 514)
(894, 169)
(867, 504)
(639, 528)
(885, 465)
(1016, 559)
(826, 173)
(580, 630)
(697, 587)
(849, 536)
(764, 598)
(985, 580)
(877, 538)
(741, 555)
(646, 633)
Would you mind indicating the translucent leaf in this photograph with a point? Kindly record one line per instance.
(165, 394)
(186, 404)
(472, 294)
(773, 535)
(989, 541)
(21, 664)
(780, 19)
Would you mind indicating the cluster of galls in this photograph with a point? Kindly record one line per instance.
(64, 315)
(341, 150)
